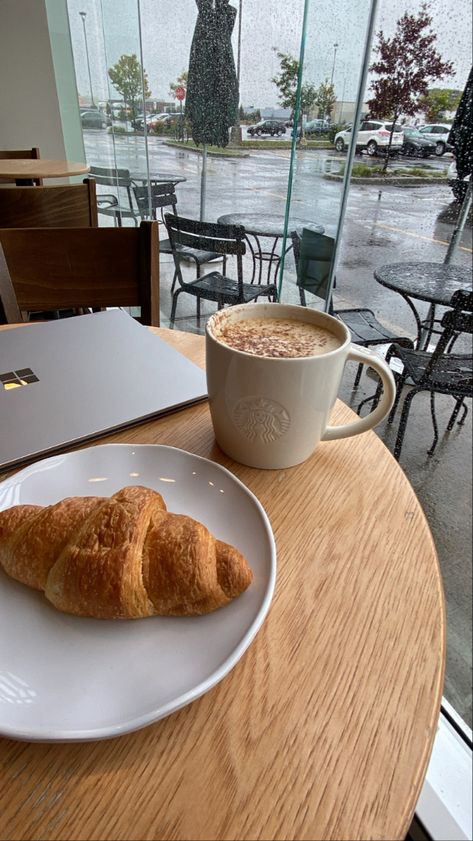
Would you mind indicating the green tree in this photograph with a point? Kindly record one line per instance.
(405, 64)
(126, 77)
(286, 82)
(326, 99)
(181, 81)
(437, 102)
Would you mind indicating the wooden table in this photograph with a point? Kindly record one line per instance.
(28, 169)
(325, 727)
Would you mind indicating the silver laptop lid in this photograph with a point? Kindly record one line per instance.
(63, 382)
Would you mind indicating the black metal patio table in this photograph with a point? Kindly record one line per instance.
(157, 178)
(271, 226)
(434, 283)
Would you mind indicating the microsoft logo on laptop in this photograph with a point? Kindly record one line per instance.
(15, 379)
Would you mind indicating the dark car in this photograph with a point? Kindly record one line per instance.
(416, 143)
(272, 127)
(94, 119)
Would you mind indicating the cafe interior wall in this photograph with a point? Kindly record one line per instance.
(38, 95)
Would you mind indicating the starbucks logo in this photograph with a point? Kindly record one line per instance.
(260, 418)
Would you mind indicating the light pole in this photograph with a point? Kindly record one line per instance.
(235, 133)
(335, 47)
(83, 16)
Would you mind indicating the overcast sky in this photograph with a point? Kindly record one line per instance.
(167, 28)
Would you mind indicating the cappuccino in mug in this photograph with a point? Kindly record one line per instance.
(273, 375)
(276, 337)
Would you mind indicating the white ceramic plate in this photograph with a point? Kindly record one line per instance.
(64, 678)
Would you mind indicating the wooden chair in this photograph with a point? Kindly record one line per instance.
(59, 268)
(64, 206)
(15, 154)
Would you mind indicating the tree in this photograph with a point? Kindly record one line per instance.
(127, 78)
(437, 102)
(181, 81)
(287, 80)
(406, 63)
(326, 99)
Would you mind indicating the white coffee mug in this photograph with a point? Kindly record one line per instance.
(272, 412)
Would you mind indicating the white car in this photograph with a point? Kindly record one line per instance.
(373, 136)
(438, 133)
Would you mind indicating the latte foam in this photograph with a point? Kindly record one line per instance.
(276, 337)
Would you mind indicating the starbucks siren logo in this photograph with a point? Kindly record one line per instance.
(260, 418)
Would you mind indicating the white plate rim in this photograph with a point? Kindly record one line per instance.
(139, 722)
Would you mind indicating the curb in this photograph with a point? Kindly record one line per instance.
(399, 181)
(221, 154)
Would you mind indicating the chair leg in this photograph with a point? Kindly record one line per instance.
(458, 405)
(358, 376)
(198, 308)
(463, 417)
(173, 308)
(174, 280)
(435, 425)
(403, 422)
(302, 296)
(400, 380)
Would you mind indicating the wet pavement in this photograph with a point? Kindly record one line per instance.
(382, 225)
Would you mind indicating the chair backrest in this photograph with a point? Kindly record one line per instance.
(111, 177)
(206, 236)
(56, 268)
(162, 195)
(64, 206)
(457, 319)
(313, 256)
(15, 154)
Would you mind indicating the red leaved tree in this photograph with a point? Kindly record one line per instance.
(406, 64)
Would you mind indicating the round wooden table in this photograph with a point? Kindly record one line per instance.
(324, 728)
(28, 169)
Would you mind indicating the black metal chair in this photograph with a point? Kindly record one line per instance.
(439, 372)
(109, 204)
(214, 286)
(160, 196)
(313, 255)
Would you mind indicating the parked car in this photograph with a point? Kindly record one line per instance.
(93, 118)
(373, 136)
(438, 133)
(416, 143)
(312, 127)
(458, 186)
(272, 127)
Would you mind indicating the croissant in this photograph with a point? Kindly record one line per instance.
(123, 557)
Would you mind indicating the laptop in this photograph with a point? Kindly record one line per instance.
(67, 381)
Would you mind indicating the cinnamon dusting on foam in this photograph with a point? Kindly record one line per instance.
(276, 337)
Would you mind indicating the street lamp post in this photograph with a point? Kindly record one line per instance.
(235, 133)
(83, 16)
(335, 47)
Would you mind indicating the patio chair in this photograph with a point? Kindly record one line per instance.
(17, 154)
(109, 204)
(64, 206)
(313, 255)
(221, 239)
(59, 268)
(162, 196)
(439, 372)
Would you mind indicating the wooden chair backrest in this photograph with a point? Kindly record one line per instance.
(15, 154)
(61, 268)
(64, 206)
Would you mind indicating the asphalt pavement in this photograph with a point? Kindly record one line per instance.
(383, 224)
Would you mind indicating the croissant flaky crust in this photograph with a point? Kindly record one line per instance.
(123, 557)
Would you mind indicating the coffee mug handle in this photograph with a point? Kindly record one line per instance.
(367, 357)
